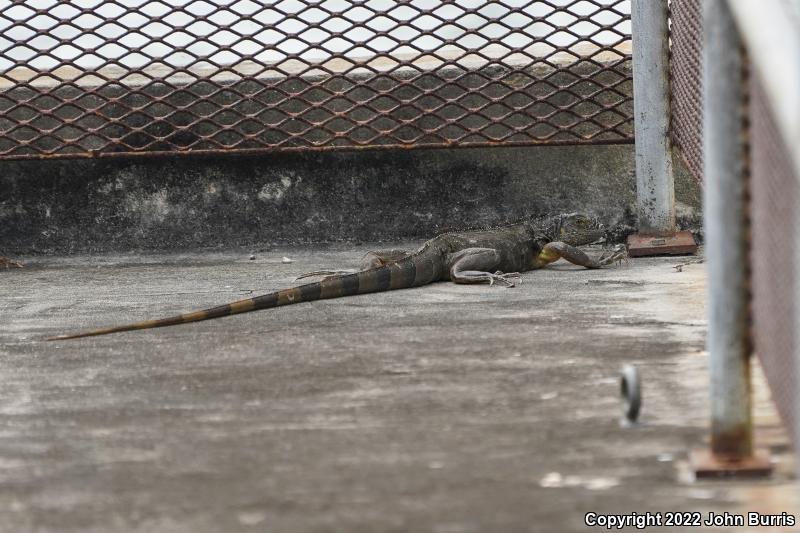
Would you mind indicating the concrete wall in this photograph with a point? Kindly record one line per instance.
(235, 201)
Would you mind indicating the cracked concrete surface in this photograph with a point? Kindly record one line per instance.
(445, 408)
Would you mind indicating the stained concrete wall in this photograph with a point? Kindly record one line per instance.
(234, 201)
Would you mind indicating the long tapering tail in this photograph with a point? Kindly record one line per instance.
(395, 276)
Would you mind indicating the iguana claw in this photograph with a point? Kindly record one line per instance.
(325, 273)
(505, 279)
(617, 254)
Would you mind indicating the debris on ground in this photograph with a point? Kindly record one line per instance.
(679, 266)
(8, 263)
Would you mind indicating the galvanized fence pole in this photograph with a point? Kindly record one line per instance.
(726, 251)
(655, 187)
(725, 197)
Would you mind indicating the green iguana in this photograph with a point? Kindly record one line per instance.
(483, 256)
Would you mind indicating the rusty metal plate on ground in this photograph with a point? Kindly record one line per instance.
(680, 243)
(706, 465)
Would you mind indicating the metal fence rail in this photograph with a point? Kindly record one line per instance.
(191, 76)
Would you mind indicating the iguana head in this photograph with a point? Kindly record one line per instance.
(574, 229)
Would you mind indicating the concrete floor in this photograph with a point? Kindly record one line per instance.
(443, 409)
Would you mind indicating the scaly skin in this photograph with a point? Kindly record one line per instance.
(462, 257)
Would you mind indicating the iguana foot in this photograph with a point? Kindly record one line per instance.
(618, 254)
(325, 273)
(509, 279)
(8, 263)
(679, 267)
(375, 259)
(475, 265)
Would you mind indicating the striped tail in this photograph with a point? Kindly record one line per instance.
(396, 276)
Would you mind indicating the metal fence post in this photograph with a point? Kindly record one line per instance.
(655, 188)
(727, 262)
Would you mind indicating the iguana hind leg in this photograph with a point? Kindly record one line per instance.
(553, 251)
(370, 260)
(381, 258)
(475, 265)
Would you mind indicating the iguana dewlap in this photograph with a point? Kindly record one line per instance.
(485, 256)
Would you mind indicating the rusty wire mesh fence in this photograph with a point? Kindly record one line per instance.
(686, 93)
(105, 77)
(774, 196)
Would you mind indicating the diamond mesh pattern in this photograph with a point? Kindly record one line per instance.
(107, 77)
(686, 75)
(775, 196)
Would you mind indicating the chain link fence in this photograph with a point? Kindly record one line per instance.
(123, 77)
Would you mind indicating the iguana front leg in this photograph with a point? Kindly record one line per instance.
(475, 265)
(370, 260)
(553, 251)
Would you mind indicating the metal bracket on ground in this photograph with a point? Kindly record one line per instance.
(679, 243)
(707, 465)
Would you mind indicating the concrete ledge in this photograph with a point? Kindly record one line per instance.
(190, 203)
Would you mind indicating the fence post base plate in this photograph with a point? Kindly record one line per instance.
(680, 243)
(706, 465)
